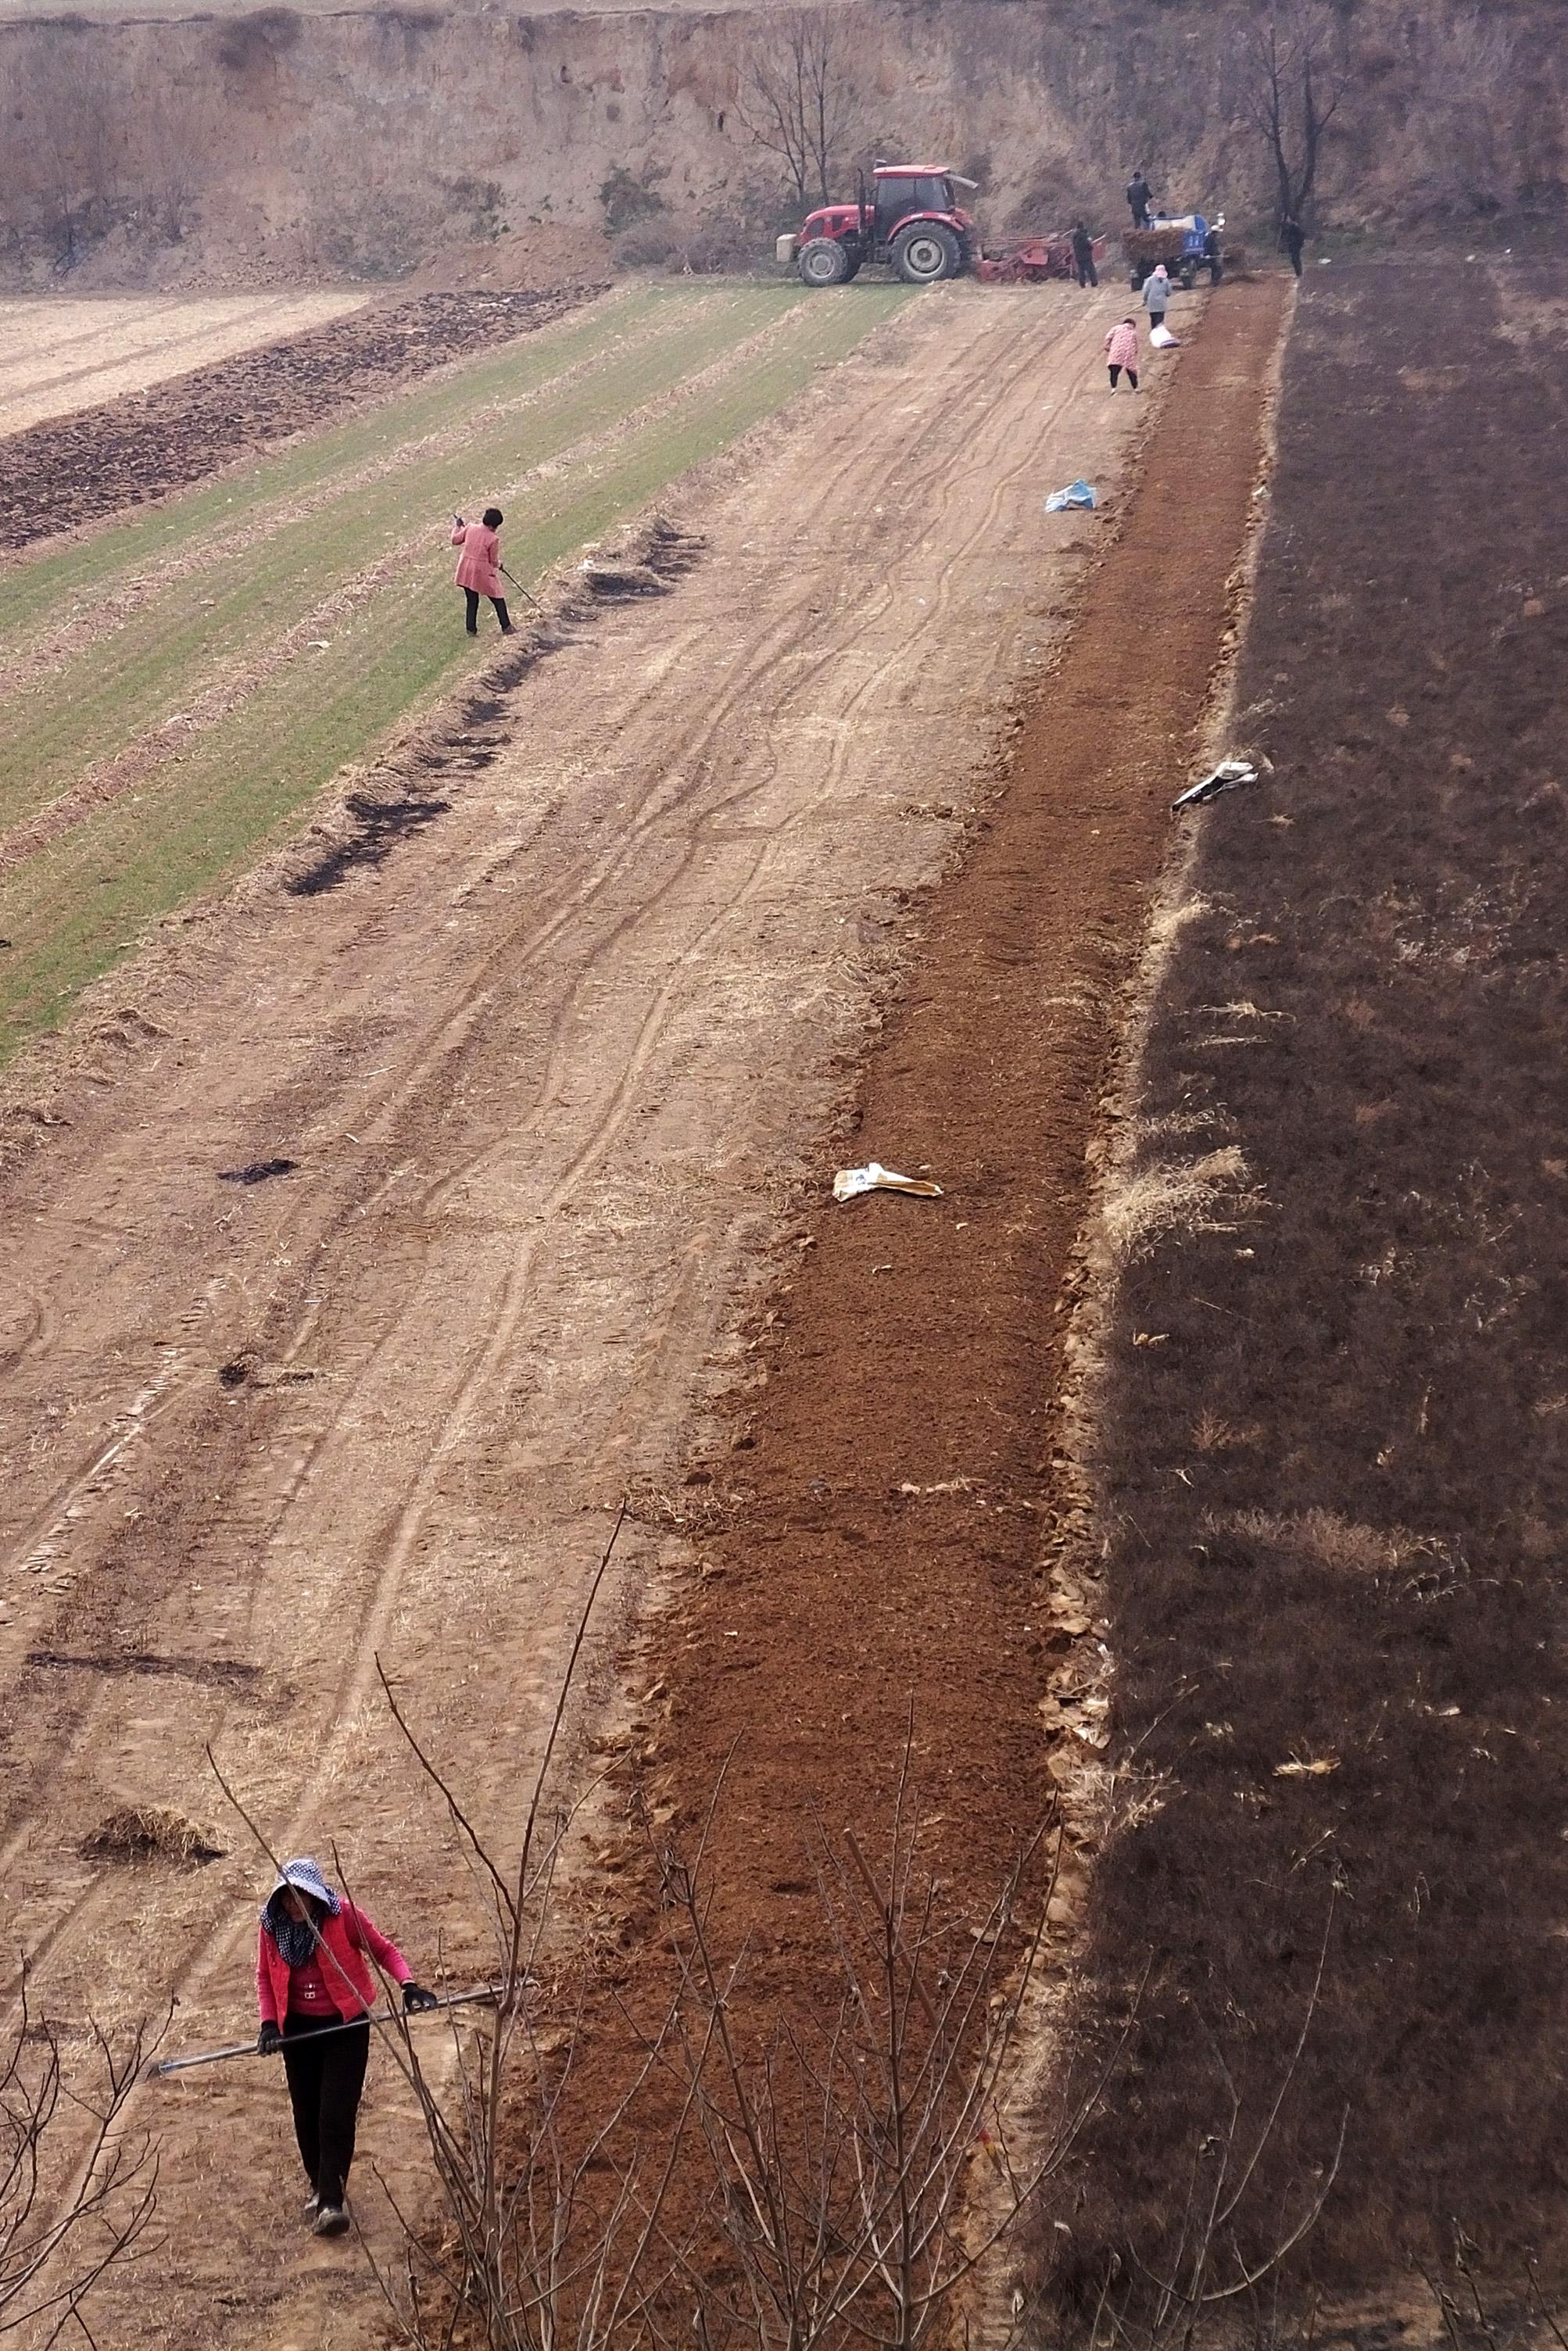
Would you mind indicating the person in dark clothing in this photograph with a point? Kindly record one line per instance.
(1084, 257)
(1139, 194)
(1292, 236)
(316, 1988)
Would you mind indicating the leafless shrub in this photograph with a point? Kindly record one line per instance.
(66, 155)
(761, 2187)
(76, 2190)
(180, 142)
(1229, 2235)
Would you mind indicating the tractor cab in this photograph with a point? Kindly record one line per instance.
(912, 216)
(907, 192)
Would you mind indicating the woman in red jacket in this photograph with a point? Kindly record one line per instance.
(316, 1989)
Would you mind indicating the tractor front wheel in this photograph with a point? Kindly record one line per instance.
(925, 255)
(823, 261)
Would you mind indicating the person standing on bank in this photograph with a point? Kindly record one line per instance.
(479, 566)
(1158, 296)
(1084, 257)
(313, 1980)
(1138, 196)
(1292, 236)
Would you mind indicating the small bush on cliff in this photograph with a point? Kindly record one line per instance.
(627, 200)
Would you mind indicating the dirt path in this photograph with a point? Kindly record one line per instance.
(63, 355)
(548, 1077)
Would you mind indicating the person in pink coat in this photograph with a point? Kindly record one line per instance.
(316, 1986)
(1121, 350)
(479, 566)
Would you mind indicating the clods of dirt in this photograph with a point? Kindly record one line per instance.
(379, 826)
(257, 1170)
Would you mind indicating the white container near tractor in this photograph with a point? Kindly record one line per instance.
(785, 249)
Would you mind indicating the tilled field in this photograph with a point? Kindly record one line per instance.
(540, 1095)
(62, 354)
(76, 469)
(1334, 1453)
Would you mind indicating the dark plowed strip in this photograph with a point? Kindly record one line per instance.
(75, 469)
(1337, 1490)
(917, 1348)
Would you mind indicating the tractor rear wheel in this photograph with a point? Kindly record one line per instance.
(823, 261)
(927, 253)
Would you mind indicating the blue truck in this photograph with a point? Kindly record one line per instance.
(1185, 242)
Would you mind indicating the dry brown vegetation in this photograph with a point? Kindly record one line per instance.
(1334, 1490)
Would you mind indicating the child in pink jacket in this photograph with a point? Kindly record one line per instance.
(479, 566)
(1121, 350)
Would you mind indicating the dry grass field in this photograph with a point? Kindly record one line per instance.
(1333, 1459)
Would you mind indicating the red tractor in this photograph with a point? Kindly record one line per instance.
(912, 217)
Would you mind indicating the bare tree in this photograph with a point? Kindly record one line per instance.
(68, 2210)
(179, 141)
(798, 100)
(843, 2147)
(831, 2159)
(70, 146)
(1295, 71)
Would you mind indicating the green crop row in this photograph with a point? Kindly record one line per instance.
(71, 909)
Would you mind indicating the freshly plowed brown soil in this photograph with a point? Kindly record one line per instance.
(878, 1544)
(75, 469)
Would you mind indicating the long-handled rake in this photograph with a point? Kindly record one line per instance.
(486, 1996)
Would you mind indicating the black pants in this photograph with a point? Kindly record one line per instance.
(326, 2075)
(471, 596)
(1087, 273)
(1295, 253)
(1131, 377)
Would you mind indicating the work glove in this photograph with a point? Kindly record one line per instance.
(415, 1999)
(268, 2040)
